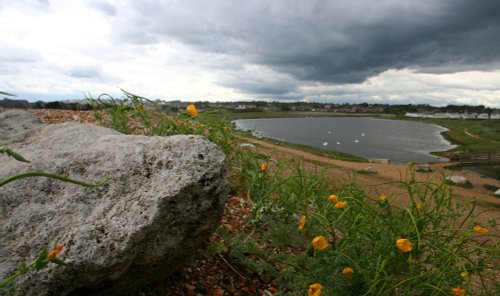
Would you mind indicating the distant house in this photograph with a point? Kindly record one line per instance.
(245, 107)
(453, 115)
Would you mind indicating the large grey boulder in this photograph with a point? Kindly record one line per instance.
(164, 198)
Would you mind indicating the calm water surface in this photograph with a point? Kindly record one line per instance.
(399, 141)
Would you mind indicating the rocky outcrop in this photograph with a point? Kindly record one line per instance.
(164, 198)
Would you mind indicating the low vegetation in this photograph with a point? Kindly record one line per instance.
(317, 237)
(311, 235)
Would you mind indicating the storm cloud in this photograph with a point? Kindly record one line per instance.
(386, 51)
(329, 41)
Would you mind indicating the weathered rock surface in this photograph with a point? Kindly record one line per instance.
(164, 198)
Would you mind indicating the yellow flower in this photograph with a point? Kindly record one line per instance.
(458, 291)
(340, 204)
(347, 271)
(191, 110)
(333, 198)
(138, 108)
(53, 253)
(229, 142)
(302, 222)
(404, 245)
(263, 167)
(315, 290)
(480, 229)
(382, 197)
(463, 275)
(319, 243)
(418, 206)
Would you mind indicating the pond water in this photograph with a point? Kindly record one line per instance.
(396, 140)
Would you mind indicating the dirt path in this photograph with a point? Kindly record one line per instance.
(466, 131)
(341, 171)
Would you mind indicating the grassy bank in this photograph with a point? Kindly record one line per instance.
(479, 134)
(309, 149)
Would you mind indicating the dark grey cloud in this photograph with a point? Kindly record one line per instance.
(257, 83)
(327, 41)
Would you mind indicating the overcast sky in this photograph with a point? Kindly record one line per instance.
(385, 51)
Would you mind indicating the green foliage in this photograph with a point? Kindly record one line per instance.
(121, 114)
(446, 251)
(41, 261)
(12, 154)
(362, 235)
(7, 94)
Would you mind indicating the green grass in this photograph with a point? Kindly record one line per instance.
(362, 233)
(488, 132)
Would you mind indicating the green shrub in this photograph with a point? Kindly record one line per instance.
(429, 246)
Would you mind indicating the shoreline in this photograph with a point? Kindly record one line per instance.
(438, 156)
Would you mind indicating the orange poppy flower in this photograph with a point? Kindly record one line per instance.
(191, 110)
(319, 243)
(340, 204)
(404, 245)
(302, 222)
(315, 290)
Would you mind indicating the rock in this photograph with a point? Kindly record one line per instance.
(16, 125)
(457, 180)
(424, 168)
(165, 196)
(248, 145)
(460, 181)
(369, 170)
(14, 104)
(379, 160)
